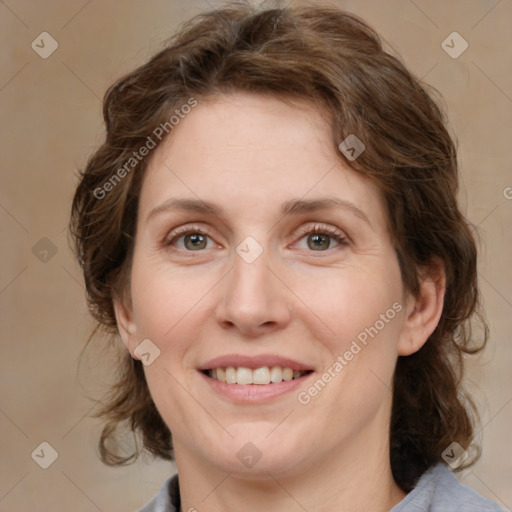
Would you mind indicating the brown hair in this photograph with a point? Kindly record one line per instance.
(335, 61)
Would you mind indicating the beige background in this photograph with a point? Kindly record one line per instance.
(51, 120)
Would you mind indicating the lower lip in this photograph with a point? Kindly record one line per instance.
(253, 393)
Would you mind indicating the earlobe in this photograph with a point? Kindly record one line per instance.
(125, 323)
(423, 311)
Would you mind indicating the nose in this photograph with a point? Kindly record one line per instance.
(253, 300)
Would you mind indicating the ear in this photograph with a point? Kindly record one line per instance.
(125, 322)
(424, 310)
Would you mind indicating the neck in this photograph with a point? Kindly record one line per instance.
(356, 477)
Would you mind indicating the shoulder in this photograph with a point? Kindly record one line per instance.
(453, 496)
(439, 491)
(167, 499)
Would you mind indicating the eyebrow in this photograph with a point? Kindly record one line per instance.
(292, 207)
(191, 205)
(299, 206)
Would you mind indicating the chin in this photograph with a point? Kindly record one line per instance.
(253, 454)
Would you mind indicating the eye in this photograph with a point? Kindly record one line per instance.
(321, 238)
(195, 241)
(190, 239)
(319, 241)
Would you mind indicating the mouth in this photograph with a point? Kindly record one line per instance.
(263, 375)
(258, 379)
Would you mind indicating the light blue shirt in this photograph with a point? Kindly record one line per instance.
(436, 491)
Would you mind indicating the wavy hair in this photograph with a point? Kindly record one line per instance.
(336, 61)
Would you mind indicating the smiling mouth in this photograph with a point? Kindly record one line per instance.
(260, 376)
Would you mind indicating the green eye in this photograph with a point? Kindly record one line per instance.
(195, 241)
(319, 241)
(190, 239)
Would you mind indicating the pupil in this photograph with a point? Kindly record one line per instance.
(195, 241)
(318, 242)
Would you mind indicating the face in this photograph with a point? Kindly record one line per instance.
(260, 256)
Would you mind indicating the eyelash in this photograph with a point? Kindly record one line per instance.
(185, 230)
(325, 229)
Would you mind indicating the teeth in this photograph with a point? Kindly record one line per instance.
(276, 374)
(230, 375)
(263, 375)
(288, 374)
(243, 375)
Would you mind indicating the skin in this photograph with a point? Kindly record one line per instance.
(251, 154)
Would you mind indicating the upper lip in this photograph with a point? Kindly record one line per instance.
(253, 362)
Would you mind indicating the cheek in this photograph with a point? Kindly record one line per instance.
(169, 308)
(366, 316)
(365, 311)
(166, 300)
(360, 300)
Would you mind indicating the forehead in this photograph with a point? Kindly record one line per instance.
(254, 149)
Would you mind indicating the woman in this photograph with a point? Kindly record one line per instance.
(271, 227)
